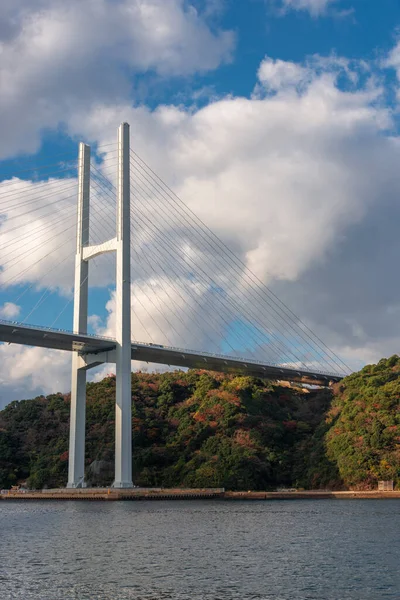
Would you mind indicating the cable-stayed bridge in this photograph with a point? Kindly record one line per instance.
(192, 301)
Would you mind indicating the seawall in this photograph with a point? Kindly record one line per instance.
(110, 494)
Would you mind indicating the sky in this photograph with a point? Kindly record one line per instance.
(276, 121)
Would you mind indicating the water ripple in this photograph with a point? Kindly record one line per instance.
(214, 550)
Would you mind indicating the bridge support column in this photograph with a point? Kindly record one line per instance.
(123, 407)
(76, 464)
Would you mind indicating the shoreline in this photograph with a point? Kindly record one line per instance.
(140, 494)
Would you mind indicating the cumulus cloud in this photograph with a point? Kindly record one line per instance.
(38, 233)
(275, 74)
(27, 372)
(393, 59)
(37, 224)
(9, 310)
(58, 55)
(300, 179)
(286, 180)
(294, 157)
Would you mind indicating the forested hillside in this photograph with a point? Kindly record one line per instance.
(199, 429)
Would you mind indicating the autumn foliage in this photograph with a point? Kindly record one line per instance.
(364, 425)
(202, 429)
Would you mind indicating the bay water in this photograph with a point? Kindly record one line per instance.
(200, 550)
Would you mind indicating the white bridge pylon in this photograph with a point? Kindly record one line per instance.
(122, 353)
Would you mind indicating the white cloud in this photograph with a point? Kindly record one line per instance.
(37, 225)
(95, 321)
(9, 310)
(392, 61)
(38, 234)
(276, 74)
(27, 372)
(280, 178)
(168, 311)
(295, 181)
(59, 56)
(314, 7)
(276, 174)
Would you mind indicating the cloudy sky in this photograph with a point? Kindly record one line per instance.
(276, 121)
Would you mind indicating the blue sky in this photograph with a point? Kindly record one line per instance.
(277, 122)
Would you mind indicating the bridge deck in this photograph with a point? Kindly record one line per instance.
(17, 333)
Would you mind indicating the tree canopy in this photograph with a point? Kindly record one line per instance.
(203, 429)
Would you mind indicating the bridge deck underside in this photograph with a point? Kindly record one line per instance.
(86, 344)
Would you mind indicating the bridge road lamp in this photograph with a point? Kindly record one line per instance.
(121, 354)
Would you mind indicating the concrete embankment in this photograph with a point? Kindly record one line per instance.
(308, 495)
(110, 494)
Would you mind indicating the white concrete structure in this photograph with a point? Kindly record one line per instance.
(122, 353)
(123, 407)
(76, 465)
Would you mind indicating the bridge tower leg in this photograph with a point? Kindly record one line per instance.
(123, 407)
(76, 466)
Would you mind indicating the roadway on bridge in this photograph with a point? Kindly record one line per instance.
(17, 333)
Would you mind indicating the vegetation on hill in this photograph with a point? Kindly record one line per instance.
(363, 435)
(202, 429)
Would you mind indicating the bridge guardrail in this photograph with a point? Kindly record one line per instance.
(235, 358)
(243, 361)
(44, 328)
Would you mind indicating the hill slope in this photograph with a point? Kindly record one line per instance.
(200, 429)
